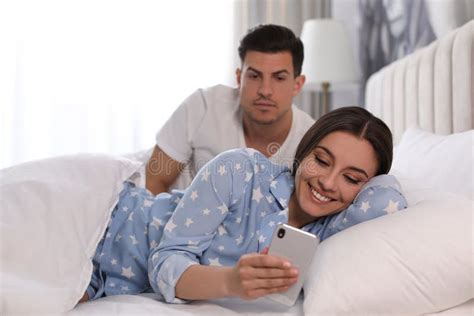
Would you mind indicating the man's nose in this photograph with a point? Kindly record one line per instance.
(266, 88)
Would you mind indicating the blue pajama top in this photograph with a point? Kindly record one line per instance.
(230, 209)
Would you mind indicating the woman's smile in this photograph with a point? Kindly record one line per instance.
(317, 196)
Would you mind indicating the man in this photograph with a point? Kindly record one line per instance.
(258, 114)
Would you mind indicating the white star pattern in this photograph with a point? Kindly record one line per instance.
(263, 213)
(239, 240)
(248, 176)
(118, 237)
(153, 244)
(271, 224)
(255, 169)
(269, 199)
(147, 203)
(188, 222)
(125, 209)
(221, 230)
(222, 171)
(177, 200)
(113, 262)
(108, 235)
(221, 248)
(192, 244)
(262, 239)
(223, 208)
(257, 194)
(206, 211)
(365, 206)
(124, 288)
(250, 151)
(134, 240)
(127, 272)
(273, 184)
(237, 166)
(130, 216)
(214, 262)
(194, 195)
(157, 223)
(238, 220)
(170, 226)
(392, 207)
(112, 284)
(205, 175)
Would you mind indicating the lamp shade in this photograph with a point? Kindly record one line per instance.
(327, 52)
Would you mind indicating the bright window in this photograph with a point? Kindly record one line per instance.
(104, 75)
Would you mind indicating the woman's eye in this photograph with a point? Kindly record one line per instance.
(322, 162)
(352, 180)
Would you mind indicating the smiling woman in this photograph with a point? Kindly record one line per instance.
(103, 75)
(220, 227)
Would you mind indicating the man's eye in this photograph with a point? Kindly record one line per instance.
(281, 78)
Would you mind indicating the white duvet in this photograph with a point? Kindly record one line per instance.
(54, 211)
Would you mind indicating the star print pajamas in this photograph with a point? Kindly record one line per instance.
(230, 209)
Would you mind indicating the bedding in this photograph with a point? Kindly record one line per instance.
(53, 212)
(444, 162)
(413, 262)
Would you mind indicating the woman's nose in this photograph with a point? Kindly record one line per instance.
(328, 181)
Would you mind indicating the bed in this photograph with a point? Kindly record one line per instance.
(418, 261)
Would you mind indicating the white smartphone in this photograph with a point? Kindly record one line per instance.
(298, 247)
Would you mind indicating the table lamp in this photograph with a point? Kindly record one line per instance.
(328, 56)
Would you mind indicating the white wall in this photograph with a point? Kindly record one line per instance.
(103, 75)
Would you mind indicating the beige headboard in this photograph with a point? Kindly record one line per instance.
(433, 88)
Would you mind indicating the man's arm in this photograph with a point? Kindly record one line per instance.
(161, 171)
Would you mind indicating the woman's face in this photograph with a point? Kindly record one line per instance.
(329, 178)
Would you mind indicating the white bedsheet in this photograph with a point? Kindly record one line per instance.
(146, 304)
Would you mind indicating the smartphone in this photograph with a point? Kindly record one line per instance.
(298, 247)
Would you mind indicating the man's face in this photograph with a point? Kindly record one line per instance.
(267, 86)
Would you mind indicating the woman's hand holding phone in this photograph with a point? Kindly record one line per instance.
(259, 274)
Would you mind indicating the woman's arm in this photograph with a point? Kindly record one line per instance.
(255, 275)
(380, 196)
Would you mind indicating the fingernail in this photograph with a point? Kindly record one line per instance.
(294, 271)
(286, 264)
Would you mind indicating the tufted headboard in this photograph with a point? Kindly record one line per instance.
(432, 88)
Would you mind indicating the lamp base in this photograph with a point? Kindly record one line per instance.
(325, 95)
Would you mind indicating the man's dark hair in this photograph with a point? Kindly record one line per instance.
(271, 38)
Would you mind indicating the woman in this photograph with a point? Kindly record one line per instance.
(211, 240)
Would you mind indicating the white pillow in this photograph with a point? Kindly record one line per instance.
(409, 263)
(53, 213)
(444, 162)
